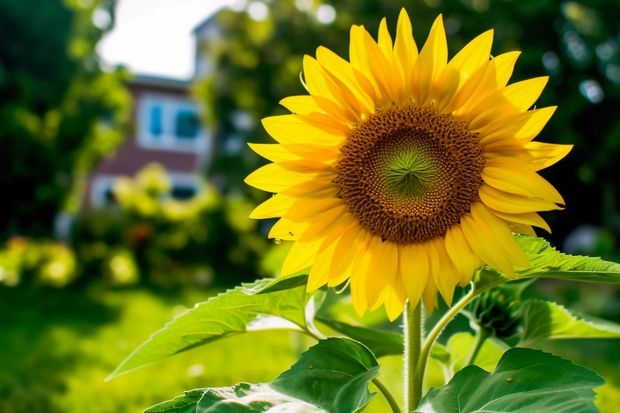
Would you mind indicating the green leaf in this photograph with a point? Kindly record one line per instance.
(381, 343)
(547, 262)
(181, 404)
(524, 381)
(334, 375)
(227, 314)
(241, 398)
(277, 284)
(546, 320)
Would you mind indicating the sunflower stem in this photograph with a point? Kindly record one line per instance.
(436, 330)
(413, 345)
(481, 335)
(388, 396)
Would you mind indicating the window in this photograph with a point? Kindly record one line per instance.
(186, 124)
(169, 123)
(155, 121)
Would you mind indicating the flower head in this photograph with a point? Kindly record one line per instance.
(402, 172)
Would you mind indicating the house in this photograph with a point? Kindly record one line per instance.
(166, 129)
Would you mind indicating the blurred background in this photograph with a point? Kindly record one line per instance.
(123, 130)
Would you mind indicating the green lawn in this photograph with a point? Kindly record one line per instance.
(58, 347)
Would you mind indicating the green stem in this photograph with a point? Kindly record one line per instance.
(388, 396)
(413, 341)
(481, 335)
(436, 330)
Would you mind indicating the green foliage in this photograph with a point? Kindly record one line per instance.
(241, 398)
(36, 263)
(151, 237)
(543, 320)
(332, 376)
(524, 380)
(227, 314)
(59, 112)
(381, 343)
(547, 262)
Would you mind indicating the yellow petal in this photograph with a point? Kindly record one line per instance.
(519, 180)
(483, 82)
(274, 177)
(405, 51)
(301, 104)
(460, 253)
(293, 129)
(310, 210)
(382, 269)
(414, 270)
(351, 80)
(275, 206)
(300, 256)
(430, 63)
(527, 218)
(546, 154)
(276, 152)
(507, 202)
(322, 222)
(394, 299)
(522, 126)
(286, 230)
(430, 297)
(328, 94)
(445, 273)
(469, 59)
(347, 248)
(323, 266)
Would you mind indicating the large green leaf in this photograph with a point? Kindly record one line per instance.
(241, 398)
(381, 343)
(182, 404)
(546, 320)
(334, 375)
(227, 314)
(547, 262)
(524, 381)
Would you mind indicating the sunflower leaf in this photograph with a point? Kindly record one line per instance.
(547, 262)
(227, 314)
(333, 374)
(524, 381)
(240, 398)
(180, 404)
(381, 343)
(547, 320)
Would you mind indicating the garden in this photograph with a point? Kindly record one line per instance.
(412, 207)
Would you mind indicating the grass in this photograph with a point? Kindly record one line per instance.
(58, 347)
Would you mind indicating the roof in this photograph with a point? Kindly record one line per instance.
(160, 81)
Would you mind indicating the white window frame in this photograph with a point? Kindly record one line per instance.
(167, 140)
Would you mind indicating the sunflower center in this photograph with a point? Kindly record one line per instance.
(408, 173)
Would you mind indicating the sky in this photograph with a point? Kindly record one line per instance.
(155, 36)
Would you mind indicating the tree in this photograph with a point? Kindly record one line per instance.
(59, 111)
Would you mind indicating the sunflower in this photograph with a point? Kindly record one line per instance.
(401, 172)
